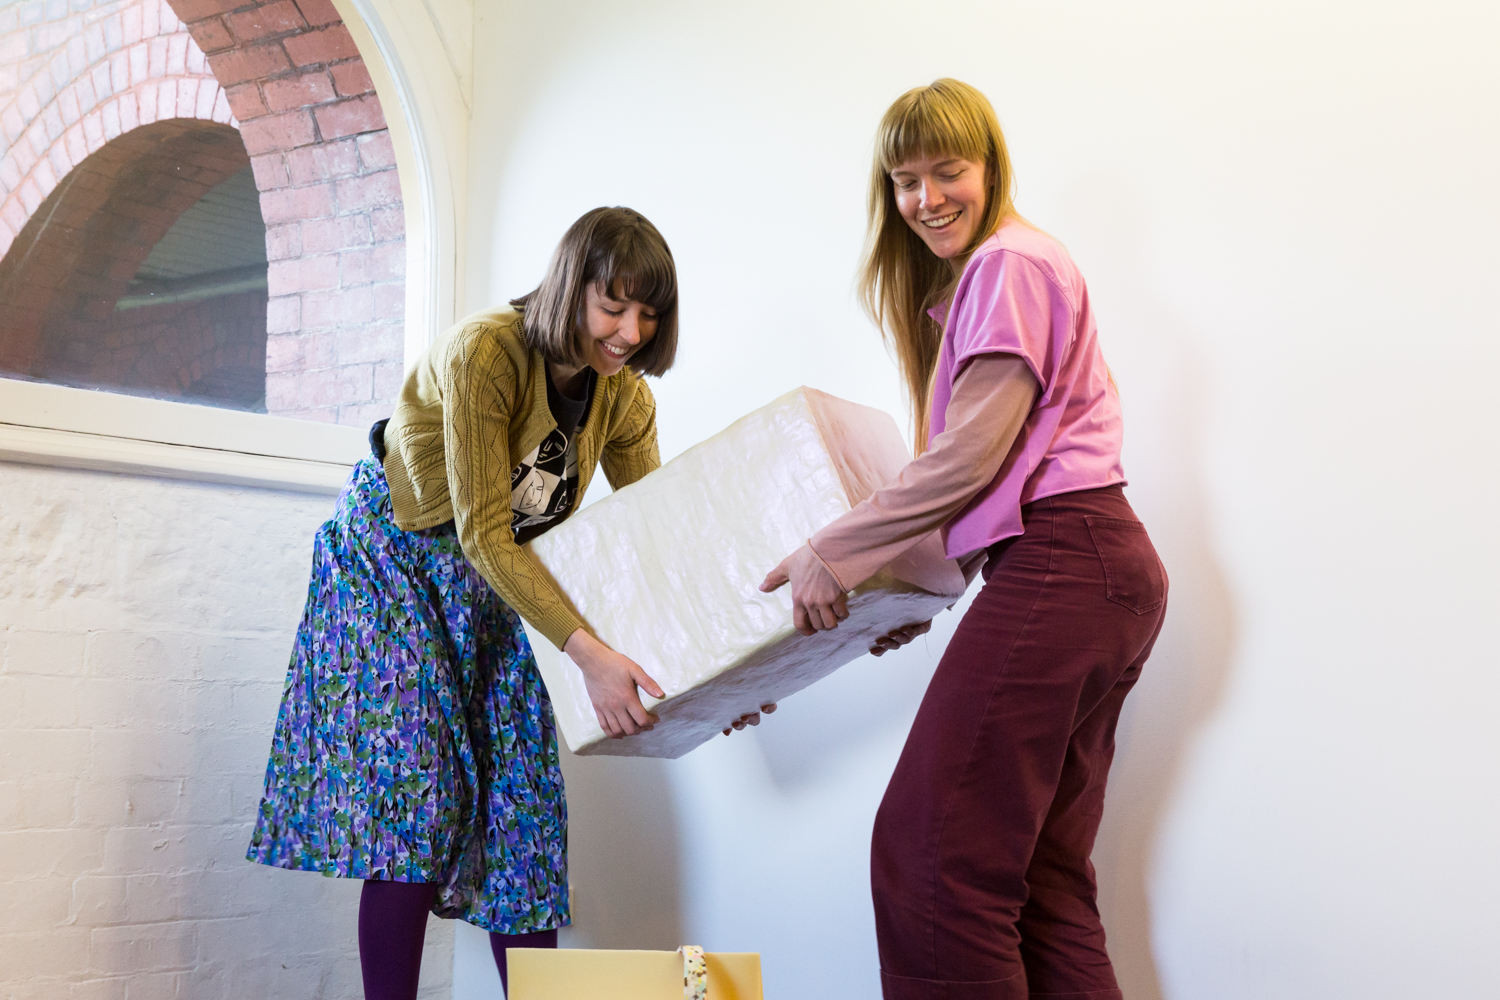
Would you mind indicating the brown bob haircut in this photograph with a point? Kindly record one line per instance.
(619, 249)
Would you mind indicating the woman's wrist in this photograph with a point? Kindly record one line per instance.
(582, 647)
(827, 566)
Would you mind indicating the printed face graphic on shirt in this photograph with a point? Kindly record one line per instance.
(531, 495)
(551, 449)
(543, 485)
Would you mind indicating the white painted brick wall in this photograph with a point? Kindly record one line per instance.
(145, 627)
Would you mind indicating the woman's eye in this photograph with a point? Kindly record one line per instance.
(613, 312)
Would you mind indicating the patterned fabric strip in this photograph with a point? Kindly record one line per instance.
(694, 973)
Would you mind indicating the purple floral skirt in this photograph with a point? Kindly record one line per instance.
(415, 741)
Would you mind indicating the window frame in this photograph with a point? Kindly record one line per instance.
(56, 425)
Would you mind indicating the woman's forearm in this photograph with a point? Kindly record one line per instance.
(991, 400)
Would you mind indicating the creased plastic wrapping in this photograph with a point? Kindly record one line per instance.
(668, 569)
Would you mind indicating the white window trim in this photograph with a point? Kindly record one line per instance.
(423, 83)
(81, 429)
(54, 425)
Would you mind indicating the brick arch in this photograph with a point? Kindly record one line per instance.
(87, 239)
(336, 232)
(132, 69)
(286, 73)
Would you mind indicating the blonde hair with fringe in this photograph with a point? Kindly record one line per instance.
(901, 278)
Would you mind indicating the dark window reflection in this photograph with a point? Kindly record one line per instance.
(145, 272)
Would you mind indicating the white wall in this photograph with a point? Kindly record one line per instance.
(145, 627)
(1285, 212)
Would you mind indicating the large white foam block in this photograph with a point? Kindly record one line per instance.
(667, 571)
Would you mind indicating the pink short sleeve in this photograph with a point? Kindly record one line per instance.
(1007, 305)
(1022, 294)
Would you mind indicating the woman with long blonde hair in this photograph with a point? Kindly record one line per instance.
(980, 859)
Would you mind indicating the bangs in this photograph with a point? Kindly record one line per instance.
(928, 122)
(643, 270)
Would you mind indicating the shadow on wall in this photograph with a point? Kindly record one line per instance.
(854, 707)
(624, 851)
(1164, 396)
(623, 854)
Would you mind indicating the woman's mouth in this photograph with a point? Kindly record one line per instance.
(612, 351)
(941, 221)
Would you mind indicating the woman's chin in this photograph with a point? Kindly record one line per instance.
(949, 243)
(606, 366)
(945, 247)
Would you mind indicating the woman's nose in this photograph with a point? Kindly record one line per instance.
(630, 328)
(931, 196)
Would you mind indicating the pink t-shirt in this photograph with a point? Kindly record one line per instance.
(1022, 294)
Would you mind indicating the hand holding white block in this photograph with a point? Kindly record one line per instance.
(667, 571)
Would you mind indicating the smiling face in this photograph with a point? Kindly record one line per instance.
(942, 198)
(615, 327)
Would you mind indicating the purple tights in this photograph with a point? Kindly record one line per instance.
(392, 922)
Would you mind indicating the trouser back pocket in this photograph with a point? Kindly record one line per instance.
(1133, 575)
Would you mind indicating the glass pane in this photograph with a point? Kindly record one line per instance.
(144, 271)
(134, 255)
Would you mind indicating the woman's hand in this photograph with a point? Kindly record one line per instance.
(611, 679)
(898, 637)
(750, 718)
(818, 601)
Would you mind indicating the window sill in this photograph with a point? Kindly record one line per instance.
(82, 429)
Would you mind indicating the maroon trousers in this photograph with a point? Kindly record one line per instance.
(980, 862)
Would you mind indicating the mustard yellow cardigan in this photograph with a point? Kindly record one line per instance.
(474, 405)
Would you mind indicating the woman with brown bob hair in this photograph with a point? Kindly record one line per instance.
(416, 747)
(980, 859)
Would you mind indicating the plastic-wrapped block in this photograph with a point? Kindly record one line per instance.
(668, 569)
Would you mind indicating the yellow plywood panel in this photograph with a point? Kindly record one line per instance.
(580, 974)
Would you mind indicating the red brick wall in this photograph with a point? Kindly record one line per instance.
(331, 200)
(77, 76)
(71, 83)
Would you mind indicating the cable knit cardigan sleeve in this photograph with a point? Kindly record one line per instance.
(476, 424)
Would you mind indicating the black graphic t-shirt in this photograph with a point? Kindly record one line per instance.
(542, 487)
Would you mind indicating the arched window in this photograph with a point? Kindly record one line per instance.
(132, 147)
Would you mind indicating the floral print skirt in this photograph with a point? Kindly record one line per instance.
(415, 740)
